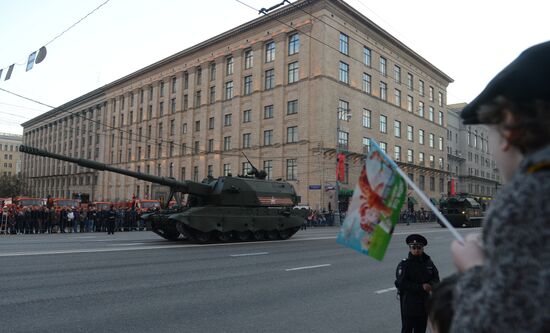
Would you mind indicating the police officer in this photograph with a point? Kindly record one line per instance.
(415, 277)
(111, 216)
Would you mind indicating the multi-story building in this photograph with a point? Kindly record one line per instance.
(289, 89)
(471, 165)
(10, 158)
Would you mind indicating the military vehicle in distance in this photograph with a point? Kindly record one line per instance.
(218, 209)
(461, 211)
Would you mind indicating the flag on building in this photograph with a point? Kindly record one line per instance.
(375, 206)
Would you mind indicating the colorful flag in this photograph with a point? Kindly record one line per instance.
(375, 206)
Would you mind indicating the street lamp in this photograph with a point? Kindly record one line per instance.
(343, 113)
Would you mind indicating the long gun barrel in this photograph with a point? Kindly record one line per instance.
(175, 185)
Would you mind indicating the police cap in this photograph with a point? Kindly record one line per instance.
(524, 79)
(416, 239)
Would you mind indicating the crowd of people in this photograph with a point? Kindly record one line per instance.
(44, 220)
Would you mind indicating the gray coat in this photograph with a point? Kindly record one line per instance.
(511, 291)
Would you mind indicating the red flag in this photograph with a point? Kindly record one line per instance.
(340, 169)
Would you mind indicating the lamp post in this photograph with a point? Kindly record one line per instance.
(343, 111)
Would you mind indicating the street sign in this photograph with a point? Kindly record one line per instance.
(314, 187)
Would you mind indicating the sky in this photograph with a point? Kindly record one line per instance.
(468, 40)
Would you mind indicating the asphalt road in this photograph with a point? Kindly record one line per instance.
(137, 282)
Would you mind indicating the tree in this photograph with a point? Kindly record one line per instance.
(12, 186)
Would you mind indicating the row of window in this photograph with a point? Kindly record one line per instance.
(11, 147)
(383, 64)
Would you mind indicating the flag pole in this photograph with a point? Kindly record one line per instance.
(423, 196)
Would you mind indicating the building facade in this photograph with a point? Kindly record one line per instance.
(471, 165)
(290, 90)
(10, 158)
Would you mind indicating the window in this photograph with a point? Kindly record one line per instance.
(367, 86)
(292, 107)
(397, 95)
(150, 93)
(343, 110)
(198, 99)
(384, 147)
(229, 65)
(432, 183)
(229, 90)
(421, 136)
(344, 72)
(431, 93)
(410, 133)
(440, 163)
(268, 168)
(383, 124)
(248, 85)
(172, 127)
(212, 71)
(212, 94)
(210, 147)
(366, 145)
(247, 167)
(367, 118)
(197, 125)
(227, 120)
(246, 140)
(211, 123)
(185, 83)
(421, 109)
(268, 111)
(293, 72)
(432, 161)
(440, 118)
(292, 134)
(184, 128)
(410, 156)
(421, 158)
(269, 79)
(226, 143)
(291, 169)
(226, 169)
(440, 98)
(210, 170)
(397, 74)
(248, 59)
(410, 81)
(397, 128)
(270, 51)
(366, 56)
(421, 87)
(382, 66)
(185, 102)
(397, 153)
(293, 44)
(268, 137)
(421, 182)
(344, 44)
(383, 91)
(172, 106)
(247, 116)
(410, 103)
(440, 143)
(431, 140)
(199, 76)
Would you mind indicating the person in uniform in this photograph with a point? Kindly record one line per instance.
(111, 216)
(415, 277)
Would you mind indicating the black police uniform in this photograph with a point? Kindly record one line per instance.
(411, 274)
(111, 215)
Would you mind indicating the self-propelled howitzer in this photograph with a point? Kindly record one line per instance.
(217, 209)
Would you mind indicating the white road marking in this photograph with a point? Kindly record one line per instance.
(381, 291)
(85, 237)
(306, 267)
(127, 244)
(249, 254)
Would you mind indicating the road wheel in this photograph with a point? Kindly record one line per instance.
(202, 237)
(243, 236)
(224, 237)
(272, 235)
(285, 234)
(259, 235)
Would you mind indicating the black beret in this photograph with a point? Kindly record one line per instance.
(524, 79)
(416, 239)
